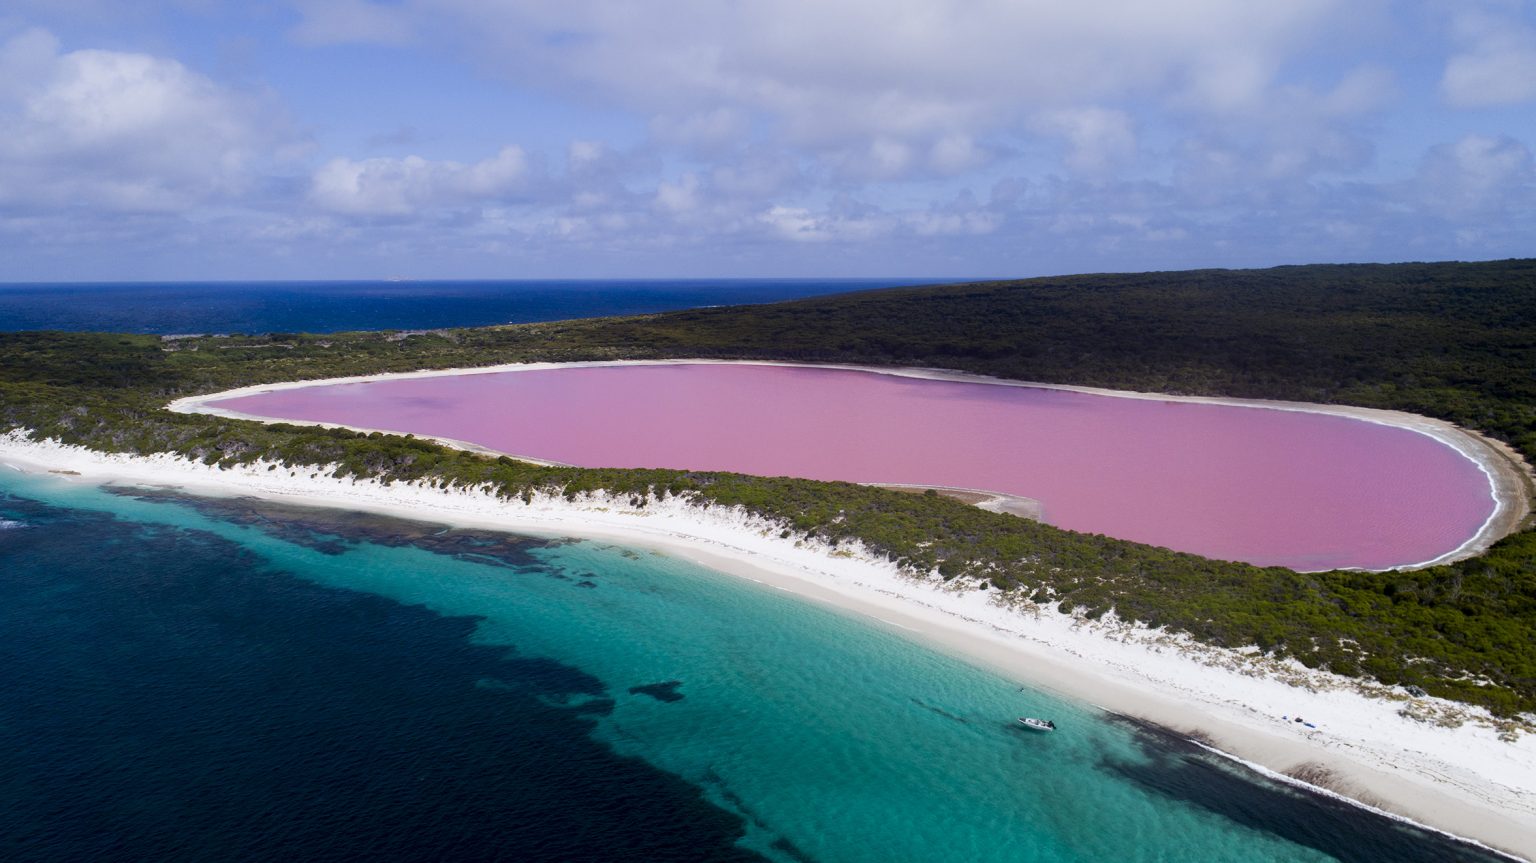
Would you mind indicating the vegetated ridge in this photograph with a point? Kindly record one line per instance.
(1450, 340)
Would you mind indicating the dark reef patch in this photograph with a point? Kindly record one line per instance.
(1179, 769)
(168, 695)
(666, 691)
(334, 531)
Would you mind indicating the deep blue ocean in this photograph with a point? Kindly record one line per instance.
(186, 679)
(328, 307)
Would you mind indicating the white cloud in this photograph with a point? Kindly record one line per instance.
(397, 187)
(894, 158)
(837, 77)
(1363, 89)
(583, 155)
(886, 157)
(1496, 64)
(1476, 174)
(793, 223)
(1300, 134)
(757, 174)
(593, 165)
(330, 22)
(853, 224)
(844, 131)
(124, 130)
(708, 129)
(1097, 139)
(937, 223)
(867, 92)
(802, 225)
(679, 197)
(956, 153)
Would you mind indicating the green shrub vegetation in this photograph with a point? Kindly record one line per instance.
(1455, 341)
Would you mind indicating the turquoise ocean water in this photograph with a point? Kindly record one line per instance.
(350, 687)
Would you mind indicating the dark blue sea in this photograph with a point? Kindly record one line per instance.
(328, 307)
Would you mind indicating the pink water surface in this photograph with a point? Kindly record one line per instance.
(1302, 490)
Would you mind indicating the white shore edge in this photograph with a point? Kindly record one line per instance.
(1437, 763)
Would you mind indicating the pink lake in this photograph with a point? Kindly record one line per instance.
(1303, 490)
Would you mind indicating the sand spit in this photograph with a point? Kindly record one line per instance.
(1438, 763)
(991, 501)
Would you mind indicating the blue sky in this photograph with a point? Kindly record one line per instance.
(199, 139)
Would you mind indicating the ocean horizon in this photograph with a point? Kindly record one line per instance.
(186, 308)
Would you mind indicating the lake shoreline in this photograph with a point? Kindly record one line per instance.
(1512, 482)
(1375, 744)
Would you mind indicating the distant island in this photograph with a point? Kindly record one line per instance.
(1450, 341)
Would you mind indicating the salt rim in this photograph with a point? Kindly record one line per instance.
(1509, 510)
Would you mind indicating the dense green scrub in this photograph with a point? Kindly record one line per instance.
(1455, 341)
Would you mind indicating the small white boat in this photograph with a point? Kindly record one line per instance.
(1037, 724)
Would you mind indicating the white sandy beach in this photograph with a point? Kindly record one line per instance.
(1435, 762)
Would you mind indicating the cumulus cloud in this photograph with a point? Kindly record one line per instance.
(1097, 139)
(962, 216)
(679, 197)
(871, 92)
(845, 220)
(956, 153)
(1496, 64)
(124, 130)
(1302, 134)
(935, 76)
(397, 187)
(1477, 174)
(804, 225)
(1099, 134)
